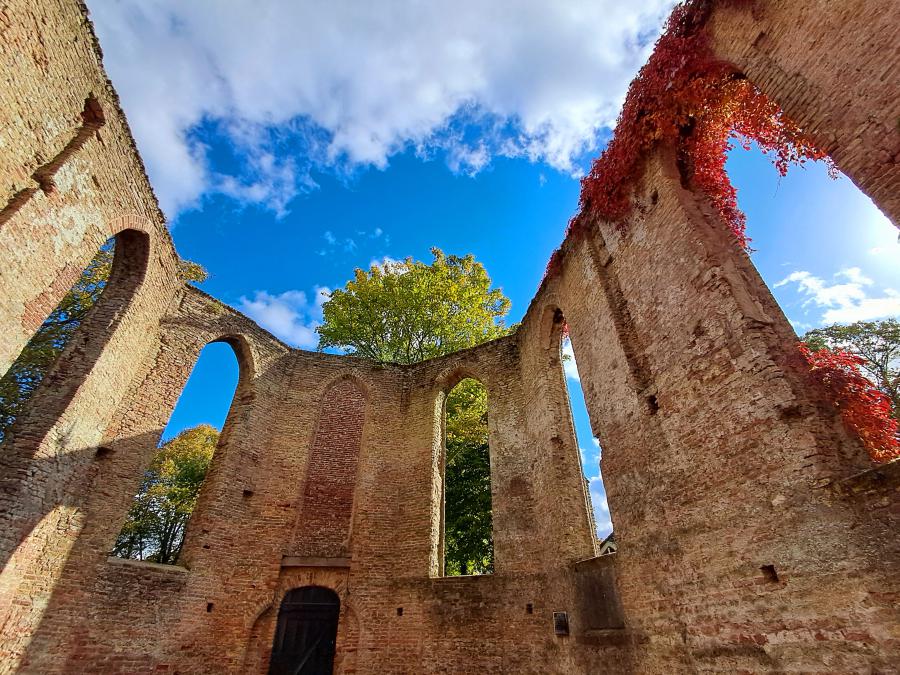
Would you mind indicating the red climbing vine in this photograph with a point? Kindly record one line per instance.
(864, 408)
(687, 99)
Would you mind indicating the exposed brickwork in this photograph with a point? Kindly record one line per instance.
(753, 533)
(323, 515)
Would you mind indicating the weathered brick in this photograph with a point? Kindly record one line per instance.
(754, 534)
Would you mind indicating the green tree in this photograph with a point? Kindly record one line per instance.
(155, 525)
(38, 356)
(876, 342)
(408, 311)
(468, 531)
(411, 311)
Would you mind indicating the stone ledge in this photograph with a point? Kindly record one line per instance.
(879, 480)
(143, 564)
(312, 561)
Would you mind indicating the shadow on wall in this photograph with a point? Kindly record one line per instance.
(37, 465)
(67, 541)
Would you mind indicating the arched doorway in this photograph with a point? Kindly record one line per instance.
(306, 633)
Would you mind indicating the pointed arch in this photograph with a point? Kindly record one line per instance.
(561, 356)
(65, 347)
(324, 525)
(158, 521)
(465, 537)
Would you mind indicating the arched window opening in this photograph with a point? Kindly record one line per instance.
(306, 634)
(158, 517)
(589, 449)
(468, 522)
(39, 355)
(829, 256)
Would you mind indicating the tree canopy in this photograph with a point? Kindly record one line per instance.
(405, 312)
(468, 531)
(155, 525)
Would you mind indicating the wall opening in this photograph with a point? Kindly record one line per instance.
(156, 522)
(107, 283)
(828, 255)
(823, 247)
(468, 538)
(306, 634)
(589, 450)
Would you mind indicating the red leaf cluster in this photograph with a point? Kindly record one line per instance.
(864, 408)
(683, 97)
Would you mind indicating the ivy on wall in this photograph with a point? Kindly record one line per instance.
(686, 99)
(864, 408)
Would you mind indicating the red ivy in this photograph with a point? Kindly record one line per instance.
(683, 97)
(864, 408)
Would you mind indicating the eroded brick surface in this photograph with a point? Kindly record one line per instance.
(753, 533)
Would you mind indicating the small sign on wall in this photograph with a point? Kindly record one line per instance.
(561, 623)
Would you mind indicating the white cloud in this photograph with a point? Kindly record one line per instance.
(357, 82)
(569, 365)
(387, 262)
(289, 316)
(601, 507)
(846, 299)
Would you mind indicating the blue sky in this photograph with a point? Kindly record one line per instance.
(291, 142)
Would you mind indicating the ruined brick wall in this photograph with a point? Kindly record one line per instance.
(832, 67)
(69, 179)
(753, 532)
(216, 611)
(717, 456)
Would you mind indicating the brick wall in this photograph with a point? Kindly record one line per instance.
(753, 533)
(323, 515)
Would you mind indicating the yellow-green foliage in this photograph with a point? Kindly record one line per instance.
(154, 529)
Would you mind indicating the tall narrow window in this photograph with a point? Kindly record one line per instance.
(589, 447)
(468, 523)
(42, 351)
(156, 522)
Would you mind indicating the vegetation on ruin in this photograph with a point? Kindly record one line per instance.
(34, 362)
(686, 99)
(877, 343)
(410, 311)
(155, 525)
(859, 367)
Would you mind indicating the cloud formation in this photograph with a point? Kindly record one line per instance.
(289, 316)
(351, 83)
(569, 365)
(846, 298)
(601, 507)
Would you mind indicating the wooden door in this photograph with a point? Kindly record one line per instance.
(306, 633)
